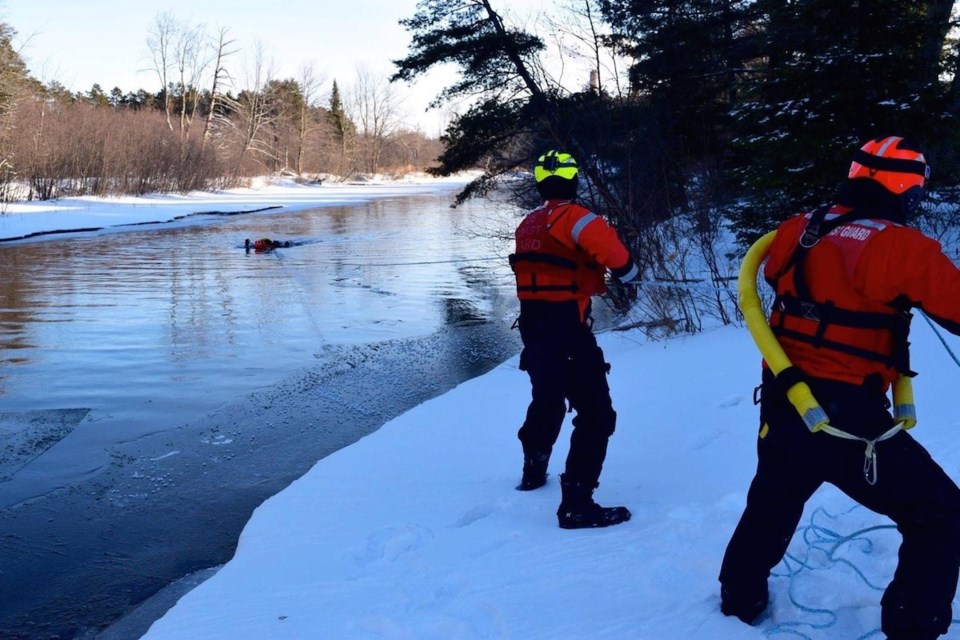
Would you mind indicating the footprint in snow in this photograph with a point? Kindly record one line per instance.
(732, 401)
(470, 516)
(391, 543)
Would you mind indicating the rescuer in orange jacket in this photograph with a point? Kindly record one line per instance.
(845, 277)
(563, 251)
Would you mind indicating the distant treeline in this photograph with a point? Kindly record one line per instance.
(201, 131)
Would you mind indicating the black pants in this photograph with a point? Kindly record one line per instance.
(561, 355)
(911, 489)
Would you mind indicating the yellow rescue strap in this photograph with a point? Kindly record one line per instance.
(799, 393)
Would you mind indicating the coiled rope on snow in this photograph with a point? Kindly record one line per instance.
(827, 541)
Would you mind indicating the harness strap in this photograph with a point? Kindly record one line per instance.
(573, 288)
(870, 471)
(890, 361)
(543, 258)
(817, 228)
(803, 306)
(832, 314)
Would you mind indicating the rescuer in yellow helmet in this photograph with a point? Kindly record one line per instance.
(563, 251)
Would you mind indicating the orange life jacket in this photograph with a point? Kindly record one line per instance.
(546, 268)
(824, 325)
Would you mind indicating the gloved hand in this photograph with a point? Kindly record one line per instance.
(622, 294)
(627, 272)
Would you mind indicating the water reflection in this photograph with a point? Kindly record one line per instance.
(168, 323)
(209, 378)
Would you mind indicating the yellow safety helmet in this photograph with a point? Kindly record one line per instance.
(555, 163)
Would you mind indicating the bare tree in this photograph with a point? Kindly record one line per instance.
(160, 43)
(310, 82)
(579, 35)
(181, 54)
(220, 78)
(193, 56)
(410, 150)
(251, 115)
(376, 111)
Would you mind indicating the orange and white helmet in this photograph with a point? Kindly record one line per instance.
(892, 162)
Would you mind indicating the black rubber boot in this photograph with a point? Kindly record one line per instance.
(534, 470)
(579, 511)
(746, 607)
(910, 635)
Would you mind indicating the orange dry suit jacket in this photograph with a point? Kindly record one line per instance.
(850, 321)
(562, 250)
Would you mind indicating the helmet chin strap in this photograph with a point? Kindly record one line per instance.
(910, 202)
(865, 195)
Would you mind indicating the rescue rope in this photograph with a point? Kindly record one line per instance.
(690, 286)
(870, 462)
(409, 264)
(682, 285)
(308, 309)
(827, 541)
(819, 538)
(693, 286)
(710, 287)
(940, 337)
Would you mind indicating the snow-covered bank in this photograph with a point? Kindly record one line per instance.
(417, 532)
(94, 214)
(205, 366)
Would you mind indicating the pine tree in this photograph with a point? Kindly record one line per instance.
(343, 128)
(865, 70)
(515, 115)
(691, 59)
(13, 84)
(761, 101)
(13, 70)
(494, 61)
(778, 94)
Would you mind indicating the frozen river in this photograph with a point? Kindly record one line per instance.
(156, 386)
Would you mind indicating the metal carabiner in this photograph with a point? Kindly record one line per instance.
(809, 239)
(870, 463)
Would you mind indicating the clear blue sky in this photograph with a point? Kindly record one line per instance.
(104, 41)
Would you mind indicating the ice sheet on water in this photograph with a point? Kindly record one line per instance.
(25, 435)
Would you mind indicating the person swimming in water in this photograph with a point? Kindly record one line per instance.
(264, 245)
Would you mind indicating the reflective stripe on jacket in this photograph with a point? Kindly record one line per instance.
(562, 251)
(860, 278)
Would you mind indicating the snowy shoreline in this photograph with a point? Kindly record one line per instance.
(416, 531)
(41, 220)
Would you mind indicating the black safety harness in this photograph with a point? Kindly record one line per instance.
(543, 258)
(803, 306)
(824, 314)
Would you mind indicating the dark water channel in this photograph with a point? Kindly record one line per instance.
(157, 385)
